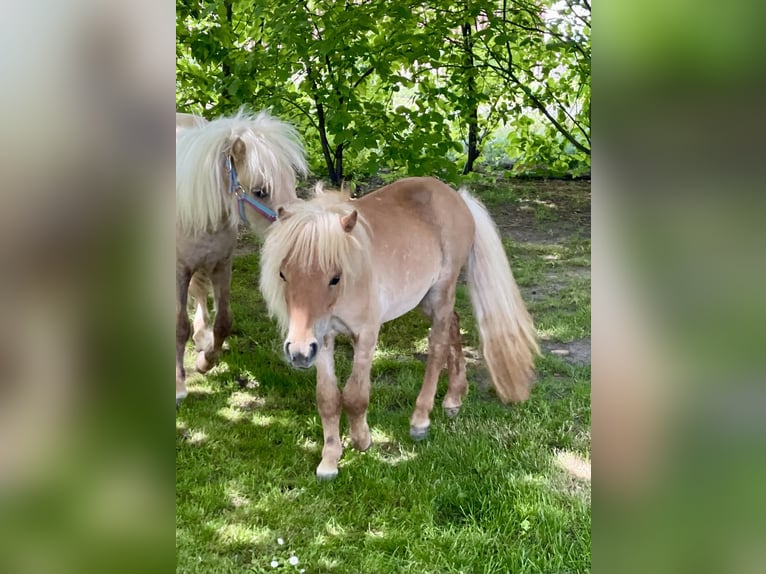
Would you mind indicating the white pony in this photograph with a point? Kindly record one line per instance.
(184, 121)
(239, 168)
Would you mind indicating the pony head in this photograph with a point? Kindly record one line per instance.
(265, 152)
(313, 255)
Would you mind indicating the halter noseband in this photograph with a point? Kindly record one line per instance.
(243, 197)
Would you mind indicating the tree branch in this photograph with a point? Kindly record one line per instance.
(540, 106)
(304, 111)
(576, 15)
(362, 77)
(566, 112)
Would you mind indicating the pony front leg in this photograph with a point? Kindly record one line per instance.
(182, 335)
(356, 393)
(329, 406)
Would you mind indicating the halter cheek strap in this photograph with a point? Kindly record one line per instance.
(235, 187)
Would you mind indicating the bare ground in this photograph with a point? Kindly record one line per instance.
(551, 212)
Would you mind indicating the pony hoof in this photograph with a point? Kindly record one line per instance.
(365, 447)
(418, 433)
(451, 412)
(179, 398)
(326, 474)
(202, 364)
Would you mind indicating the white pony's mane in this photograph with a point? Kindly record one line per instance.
(274, 155)
(310, 234)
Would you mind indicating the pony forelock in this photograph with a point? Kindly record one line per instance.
(311, 236)
(274, 155)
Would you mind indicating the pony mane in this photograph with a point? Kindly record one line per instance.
(310, 235)
(274, 155)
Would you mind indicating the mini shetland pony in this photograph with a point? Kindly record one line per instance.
(232, 168)
(333, 265)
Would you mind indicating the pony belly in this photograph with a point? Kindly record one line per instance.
(397, 302)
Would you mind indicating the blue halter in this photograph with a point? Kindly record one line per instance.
(242, 197)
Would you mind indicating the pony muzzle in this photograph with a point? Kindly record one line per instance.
(301, 355)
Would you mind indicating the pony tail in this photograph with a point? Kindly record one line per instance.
(508, 338)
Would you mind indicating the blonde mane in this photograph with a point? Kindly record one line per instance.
(274, 155)
(310, 235)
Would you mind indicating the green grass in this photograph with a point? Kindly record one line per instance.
(482, 494)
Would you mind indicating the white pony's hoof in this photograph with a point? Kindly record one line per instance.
(418, 433)
(203, 340)
(202, 364)
(180, 396)
(451, 412)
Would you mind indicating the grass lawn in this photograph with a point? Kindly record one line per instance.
(498, 489)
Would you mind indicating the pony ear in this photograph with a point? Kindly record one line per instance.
(238, 149)
(282, 213)
(348, 221)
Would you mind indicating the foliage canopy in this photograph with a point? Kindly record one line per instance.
(416, 88)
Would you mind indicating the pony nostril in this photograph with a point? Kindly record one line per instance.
(313, 348)
(287, 348)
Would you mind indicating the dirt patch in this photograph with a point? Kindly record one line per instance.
(545, 212)
(555, 283)
(247, 241)
(575, 352)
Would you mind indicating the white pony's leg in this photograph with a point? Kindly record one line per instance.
(203, 333)
(182, 332)
(221, 283)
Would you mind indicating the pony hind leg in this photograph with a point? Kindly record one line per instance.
(221, 280)
(203, 334)
(438, 304)
(183, 330)
(458, 385)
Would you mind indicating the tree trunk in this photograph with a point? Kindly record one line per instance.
(337, 177)
(473, 140)
(330, 159)
(225, 68)
(473, 112)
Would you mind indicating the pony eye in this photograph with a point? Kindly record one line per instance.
(281, 276)
(335, 279)
(260, 192)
